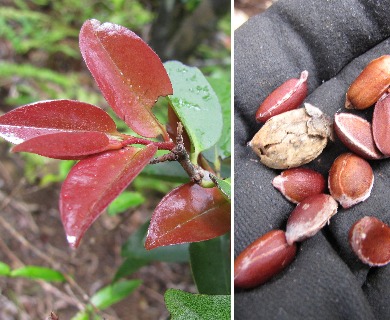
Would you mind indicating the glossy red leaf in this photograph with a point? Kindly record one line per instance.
(128, 72)
(94, 183)
(68, 145)
(53, 116)
(188, 213)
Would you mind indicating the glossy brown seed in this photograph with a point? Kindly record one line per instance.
(370, 85)
(299, 183)
(350, 179)
(381, 125)
(263, 259)
(309, 217)
(288, 96)
(356, 134)
(369, 238)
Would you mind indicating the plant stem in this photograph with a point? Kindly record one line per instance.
(180, 154)
(165, 157)
(168, 145)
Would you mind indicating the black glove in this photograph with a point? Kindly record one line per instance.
(334, 41)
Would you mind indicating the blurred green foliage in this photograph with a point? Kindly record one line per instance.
(125, 201)
(106, 297)
(190, 5)
(31, 83)
(32, 273)
(41, 36)
(48, 25)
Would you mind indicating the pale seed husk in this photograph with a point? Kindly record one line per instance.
(293, 138)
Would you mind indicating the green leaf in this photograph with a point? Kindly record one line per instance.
(183, 306)
(87, 314)
(64, 167)
(224, 186)
(36, 272)
(196, 105)
(134, 248)
(166, 171)
(129, 266)
(210, 264)
(124, 201)
(5, 269)
(82, 315)
(114, 293)
(221, 87)
(145, 184)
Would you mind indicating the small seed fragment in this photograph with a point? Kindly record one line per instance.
(356, 134)
(288, 96)
(309, 217)
(381, 125)
(369, 239)
(262, 259)
(299, 183)
(370, 85)
(292, 138)
(350, 179)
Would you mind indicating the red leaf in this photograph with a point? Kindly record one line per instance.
(68, 145)
(188, 213)
(96, 181)
(128, 72)
(53, 116)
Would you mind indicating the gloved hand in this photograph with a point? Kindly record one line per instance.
(334, 41)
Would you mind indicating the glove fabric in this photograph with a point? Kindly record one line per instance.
(334, 41)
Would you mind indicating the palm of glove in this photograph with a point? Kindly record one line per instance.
(333, 41)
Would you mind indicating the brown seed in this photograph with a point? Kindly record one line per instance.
(381, 125)
(309, 217)
(299, 183)
(262, 259)
(292, 138)
(350, 179)
(369, 238)
(356, 134)
(288, 96)
(370, 85)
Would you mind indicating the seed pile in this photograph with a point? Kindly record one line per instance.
(293, 136)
